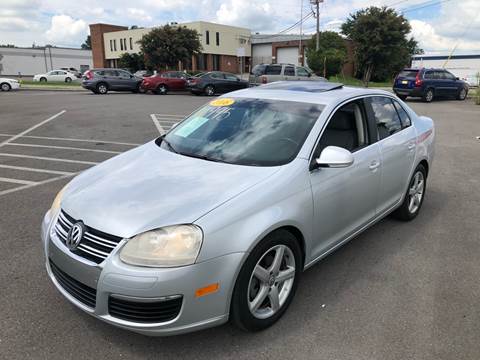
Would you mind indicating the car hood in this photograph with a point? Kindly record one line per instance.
(149, 187)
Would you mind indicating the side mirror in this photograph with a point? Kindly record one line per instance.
(457, 78)
(334, 157)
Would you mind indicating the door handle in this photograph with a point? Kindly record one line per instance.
(374, 164)
(411, 145)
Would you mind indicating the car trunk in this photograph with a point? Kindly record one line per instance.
(406, 79)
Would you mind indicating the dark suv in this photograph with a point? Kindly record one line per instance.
(100, 81)
(429, 84)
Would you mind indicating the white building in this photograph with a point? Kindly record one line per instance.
(464, 65)
(31, 61)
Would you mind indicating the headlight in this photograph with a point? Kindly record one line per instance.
(57, 201)
(170, 246)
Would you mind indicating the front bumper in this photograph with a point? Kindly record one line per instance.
(114, 278)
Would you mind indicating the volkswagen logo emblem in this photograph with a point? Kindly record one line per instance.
(75, 235)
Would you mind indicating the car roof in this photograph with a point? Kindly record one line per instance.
(316, 92)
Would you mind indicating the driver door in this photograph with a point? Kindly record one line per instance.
(345, 199)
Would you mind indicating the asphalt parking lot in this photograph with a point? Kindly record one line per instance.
(398, 291)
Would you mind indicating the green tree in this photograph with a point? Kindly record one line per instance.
(87, 44)
(132, 62)
(165, 46)
(381, 43)
(330, 57)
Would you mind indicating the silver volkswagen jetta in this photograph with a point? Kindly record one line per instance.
(217, 219)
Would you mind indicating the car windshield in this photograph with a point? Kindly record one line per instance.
(258, 70)
(254, 132)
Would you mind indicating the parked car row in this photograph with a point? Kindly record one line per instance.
(101, 81)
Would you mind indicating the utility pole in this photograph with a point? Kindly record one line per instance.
(300, 52)
(317, 3)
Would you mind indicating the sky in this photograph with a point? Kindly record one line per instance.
(438, 25)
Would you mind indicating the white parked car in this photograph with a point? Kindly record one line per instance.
(55, 75)
(8, 84)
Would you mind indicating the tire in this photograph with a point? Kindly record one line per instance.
(250, 290)
(43, 79)
(162, 89)
(5, 87)
(140, 89)
(209, 90)
(416, 190)
(402, 97)
(102, 88)
(68, 80)
(428, 95)
(462, 94)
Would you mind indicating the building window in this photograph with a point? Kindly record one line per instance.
(131, 44)
(114, 44)
(121, 44)
(217, 38)
(125, 44)
(111, 45)
(207, 37)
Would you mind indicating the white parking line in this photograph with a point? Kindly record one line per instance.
(65, 148)
(23, 168)
(32, 185)
(49, 159)
(32, 128)
(157, 124)
(169, 115)
(80, 140)
(17, 181)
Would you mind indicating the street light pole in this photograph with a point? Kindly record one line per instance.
(317, 3)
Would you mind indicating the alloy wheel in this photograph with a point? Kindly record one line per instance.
(429, 95)
(463, 94)
(271, 282)
(102, 89)
(415, 193)
(209, 90)
(5, 87)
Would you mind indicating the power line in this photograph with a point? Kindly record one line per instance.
(287, 29)
(423, 6)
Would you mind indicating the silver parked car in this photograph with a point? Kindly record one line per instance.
(217, 219)
(267, 73)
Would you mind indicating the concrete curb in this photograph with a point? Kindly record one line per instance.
(46, 88)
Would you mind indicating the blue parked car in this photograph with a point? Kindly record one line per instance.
(429, 84)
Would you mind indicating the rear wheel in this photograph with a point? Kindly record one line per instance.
(162, 89)
(5, 87)
(102, 88)
(43, 79)
(428, 95)
(414, 197)
(209, 90)
(462, 94)
(267, 282)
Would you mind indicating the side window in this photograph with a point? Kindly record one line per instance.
(438, 75)
(428, 75)
(217, 76)
(289, 71)
(111, 73)
(61, 73)
(231, 77)
(347, 128)
(386, 117)
(302, 72)
(404, 118)
(449, 76)
(273, 70)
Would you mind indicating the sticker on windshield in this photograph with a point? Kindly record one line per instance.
(190, 126)
(222, 102)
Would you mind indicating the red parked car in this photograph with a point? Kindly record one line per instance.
(166, 81)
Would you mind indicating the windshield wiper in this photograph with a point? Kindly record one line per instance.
(203, 157)
(169, 145)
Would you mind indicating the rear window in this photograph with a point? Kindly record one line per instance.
(258, 69)
(408, 73)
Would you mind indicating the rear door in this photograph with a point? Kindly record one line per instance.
(232, 82)
(177, 81)
(273, 73)
(397, 144)
(406, 79)
(289, 73)
(126, 81)
(218, 80)
(112, 78)
(451, 84)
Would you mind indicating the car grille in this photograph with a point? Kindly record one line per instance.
(95, 245)
(79, 291)
(145, 312)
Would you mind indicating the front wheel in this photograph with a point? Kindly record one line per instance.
(102, 88)
(462, 94)
(43, 79)
(267, 282)
(68, 80)
(5, 87)
(413, 200)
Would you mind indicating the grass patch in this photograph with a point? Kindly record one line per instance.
(350, 81)
(50, 83)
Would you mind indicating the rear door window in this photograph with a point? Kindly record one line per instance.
(404, 118)
(289, 71)
(273, 70)
(217, 76)
(428, 75)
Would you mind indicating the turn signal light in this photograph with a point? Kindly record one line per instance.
(209, 289)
